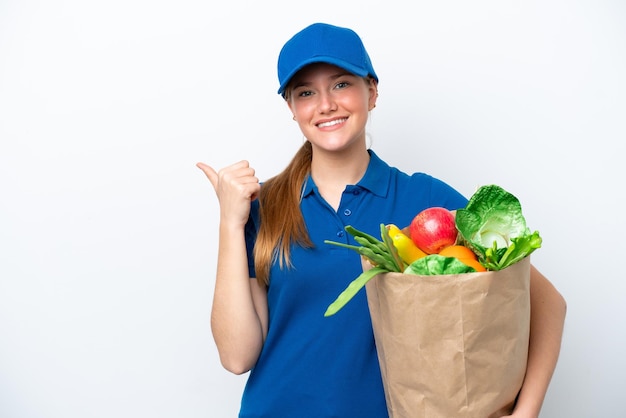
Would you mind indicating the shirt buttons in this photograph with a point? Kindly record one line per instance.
(347, 212)
(340, 234)
(356, 192)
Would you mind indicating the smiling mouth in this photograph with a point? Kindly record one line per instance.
(331, 123)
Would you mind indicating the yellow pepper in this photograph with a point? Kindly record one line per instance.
(407, 250)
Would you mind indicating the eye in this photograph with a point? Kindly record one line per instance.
(342, 85)
(305, 93)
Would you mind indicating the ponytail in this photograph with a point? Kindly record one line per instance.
(282, 223)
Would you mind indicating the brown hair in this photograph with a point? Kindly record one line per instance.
(282, 223)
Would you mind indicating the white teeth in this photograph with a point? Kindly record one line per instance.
(331, 123)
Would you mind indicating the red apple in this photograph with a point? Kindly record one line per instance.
(433, 229)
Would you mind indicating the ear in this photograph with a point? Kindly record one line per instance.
(373, 93)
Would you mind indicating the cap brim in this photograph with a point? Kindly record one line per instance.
(361, 72)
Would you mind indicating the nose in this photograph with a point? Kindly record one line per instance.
(326, 102)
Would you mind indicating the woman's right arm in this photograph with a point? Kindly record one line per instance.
(239, 313)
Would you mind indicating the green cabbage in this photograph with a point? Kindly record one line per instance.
(492, 225)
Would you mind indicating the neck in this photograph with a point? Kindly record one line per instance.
(332, 172)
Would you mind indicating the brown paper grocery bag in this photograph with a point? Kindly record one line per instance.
(452, 345)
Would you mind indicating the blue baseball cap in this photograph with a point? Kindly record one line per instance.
(321, 42)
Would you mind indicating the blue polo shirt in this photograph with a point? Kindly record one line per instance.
(313, 366)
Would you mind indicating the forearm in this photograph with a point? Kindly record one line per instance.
(546, 329)
(236, 325)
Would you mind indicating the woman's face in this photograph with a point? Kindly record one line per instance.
(331, 105)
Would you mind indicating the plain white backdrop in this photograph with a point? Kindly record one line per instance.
(108, 230)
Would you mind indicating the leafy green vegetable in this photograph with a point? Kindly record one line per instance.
(492, 224)
(435, 264)
(499, 258)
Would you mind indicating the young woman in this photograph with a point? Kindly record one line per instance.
(276, 276)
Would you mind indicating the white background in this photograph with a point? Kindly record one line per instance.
(108, 230)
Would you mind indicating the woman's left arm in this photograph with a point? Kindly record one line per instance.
(547, 318)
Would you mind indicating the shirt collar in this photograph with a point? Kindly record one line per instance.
(375, 179)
